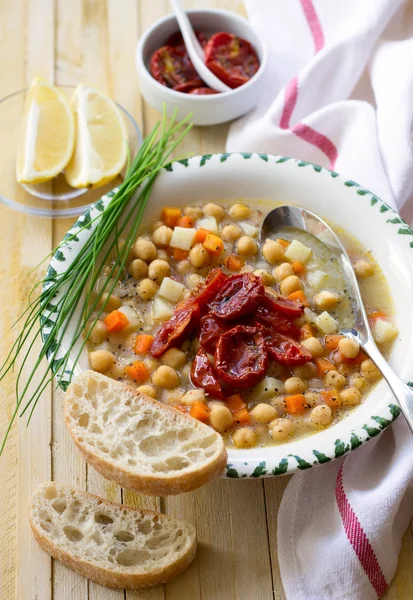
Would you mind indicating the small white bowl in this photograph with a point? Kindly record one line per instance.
(209, 109)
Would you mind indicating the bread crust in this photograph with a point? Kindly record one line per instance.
(104, 576)
(153, 485)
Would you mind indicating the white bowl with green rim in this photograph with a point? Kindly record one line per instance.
(343, 202)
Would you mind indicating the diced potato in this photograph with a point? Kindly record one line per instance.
(209, 223)
(162, 311)
(249, 229)
(267, 388)
(183, 238)
(171, 290)
(326, 323)
(317, 279)
(298, 251)
(310, 316)
(132, 316)
(383, 331)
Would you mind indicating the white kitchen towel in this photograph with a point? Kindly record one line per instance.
(339, 93)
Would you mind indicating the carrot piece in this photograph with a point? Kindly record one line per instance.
(235, 402)
(300, 296)
(331, 341)
(242, 417)
(377, 314)
(298, 267)
(137, 371)
(233, 262)
(295, 404)
(116, 321)
(338, 358)
(170, 215)
(186, 221)
(143, 343)
(284, 243)
(213, 244)
(201, 235)
(182, 409)
(199, 410)
(323, 366)
(180, 254)
(331, 398)
(306, 331)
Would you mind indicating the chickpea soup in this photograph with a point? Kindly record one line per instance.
(241, 335)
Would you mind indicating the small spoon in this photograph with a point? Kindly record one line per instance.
(195, 51)
(292, 216)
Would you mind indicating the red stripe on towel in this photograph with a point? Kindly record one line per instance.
(358, 539)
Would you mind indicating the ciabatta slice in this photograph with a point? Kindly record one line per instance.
(111, 544)
(138, 442)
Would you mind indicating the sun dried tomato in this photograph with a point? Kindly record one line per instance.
(203, 376)
(232, 59)
(289, 308)
(174, 69)
(214, 281)
(177, 41)
(238, 296)
(285, 350)
(276, 321)
(203, 91)
(174, 331)
(210, 329)
(240, 357)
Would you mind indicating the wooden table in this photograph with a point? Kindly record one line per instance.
(94, 41)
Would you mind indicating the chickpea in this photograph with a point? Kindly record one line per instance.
(290, 284)
(344, 369)
(221, 418)
(158, 269)
(239, 211)
(172, 396)
(165, 377)
(273, 252)
(194, 280)
(357, 381)
(321, 415)
(349, 348)
(184, 267)
(193, 211)
(335, 379)
(186, 373)
(162, 236)
(306, 371)
(281, 429)
(244, 437)
(174, 358)
(101, 360)
(163, 255)
(350, 395)
(145, 249)
(266, 277)
(198, 256)
(146, 289)
(263, 413)
(148, 390)
(369, 370)
(282, 271)
(295, 385)
(98, 333)
(138, 269)
(113, 302)
(314, 346)
(193, 396)
(246, 246)
(155, 225)
(152, 363)
(230, 233)
(312, 398)
(326, 300)
(213, 210)
(363, 268)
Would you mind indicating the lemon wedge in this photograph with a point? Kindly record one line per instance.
(48, 134)
(101, 140)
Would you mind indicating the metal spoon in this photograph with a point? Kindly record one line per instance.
(195, 51)
(292, 216)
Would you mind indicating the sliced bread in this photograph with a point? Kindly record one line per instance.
(138, 442)
(111, 544)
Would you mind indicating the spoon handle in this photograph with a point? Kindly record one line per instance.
(402, 392)
(185, 26)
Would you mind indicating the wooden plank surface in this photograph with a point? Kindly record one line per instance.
(94, 41)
